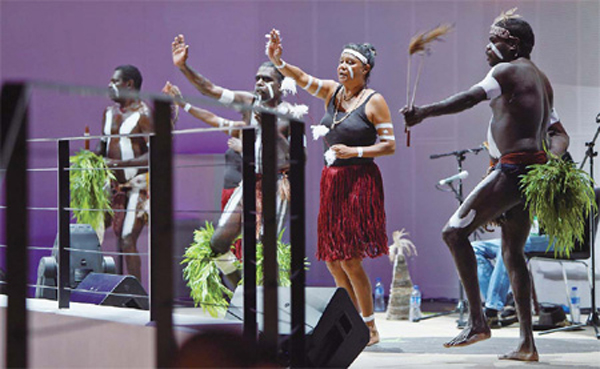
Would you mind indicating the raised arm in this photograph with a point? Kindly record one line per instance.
(204, 85)
(487, 89)
(454, 104)
(323, 89)
(202, 114)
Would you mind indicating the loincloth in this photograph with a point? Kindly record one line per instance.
(514, 165)
(121, 196)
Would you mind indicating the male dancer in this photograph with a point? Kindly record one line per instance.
(521, 101)
(127, 116)
(267, 93)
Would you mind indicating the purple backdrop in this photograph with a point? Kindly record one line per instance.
(81, 42)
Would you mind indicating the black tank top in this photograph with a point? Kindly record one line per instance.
(356, 130)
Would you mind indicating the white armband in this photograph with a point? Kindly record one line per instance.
(309, 83)
(490, 86)
(554, 118)
(187, 107)
(360, 152)
(383, 125)
(320, 84)
(227, 97)
(385, 135)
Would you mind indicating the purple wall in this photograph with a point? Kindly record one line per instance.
(81, 43)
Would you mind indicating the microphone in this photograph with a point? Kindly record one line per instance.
(462, 175)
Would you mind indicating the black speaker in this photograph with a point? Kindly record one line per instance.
(111, 290)
(86, 257)
(335, 331)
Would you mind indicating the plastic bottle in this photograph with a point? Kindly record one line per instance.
(535, 227)
(414, 314)
(575, 301)
(378, 302)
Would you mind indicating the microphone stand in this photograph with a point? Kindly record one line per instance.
(593, 319)
(461, 305)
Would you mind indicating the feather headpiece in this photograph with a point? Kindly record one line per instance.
(420, 42)
(505, 15)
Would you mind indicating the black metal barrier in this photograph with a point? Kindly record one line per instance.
(13, 146)
(13, 139)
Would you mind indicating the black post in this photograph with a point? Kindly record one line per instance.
(161, 234)
(64, 237)
(298, 244)
(269, 237)
(593, 319)
(13, 134)
(249, 235)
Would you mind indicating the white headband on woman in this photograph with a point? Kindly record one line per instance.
(358, 55)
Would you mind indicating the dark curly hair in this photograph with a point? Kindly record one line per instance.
(278, 74)
(131, 72)
(522, 30)
(368, 51)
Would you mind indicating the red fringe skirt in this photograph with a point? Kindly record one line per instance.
(351, 213)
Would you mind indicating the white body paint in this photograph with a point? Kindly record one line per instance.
(271, 93)
(492, 147)
(456, 221)
(129, 220)
(127, 153)
(351, 73)
(232, 203)
(496, 51)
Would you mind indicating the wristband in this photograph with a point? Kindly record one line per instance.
(360, 152)
(280, 66)
(187, 107)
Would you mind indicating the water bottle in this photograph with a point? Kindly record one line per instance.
(414, 314)
(575, 301)
(378, 302)
(535, 227)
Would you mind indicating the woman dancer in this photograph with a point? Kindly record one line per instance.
(351, 213)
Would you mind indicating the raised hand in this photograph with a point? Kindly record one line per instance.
(273, 48)
(180, 51)
(172, 90)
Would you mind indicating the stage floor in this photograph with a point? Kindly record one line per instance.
(419, 345)
(71, 338)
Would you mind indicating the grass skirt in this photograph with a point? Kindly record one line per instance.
(351, 213)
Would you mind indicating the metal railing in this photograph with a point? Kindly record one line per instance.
(13, 145)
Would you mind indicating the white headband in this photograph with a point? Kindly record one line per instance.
(358, 55)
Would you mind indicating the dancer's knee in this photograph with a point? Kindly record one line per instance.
(335, 268)
(352, 266)
(454, 236)
(219, 245)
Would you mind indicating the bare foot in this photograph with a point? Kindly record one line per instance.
(373, 334)
(521, 355)
(469, 336)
